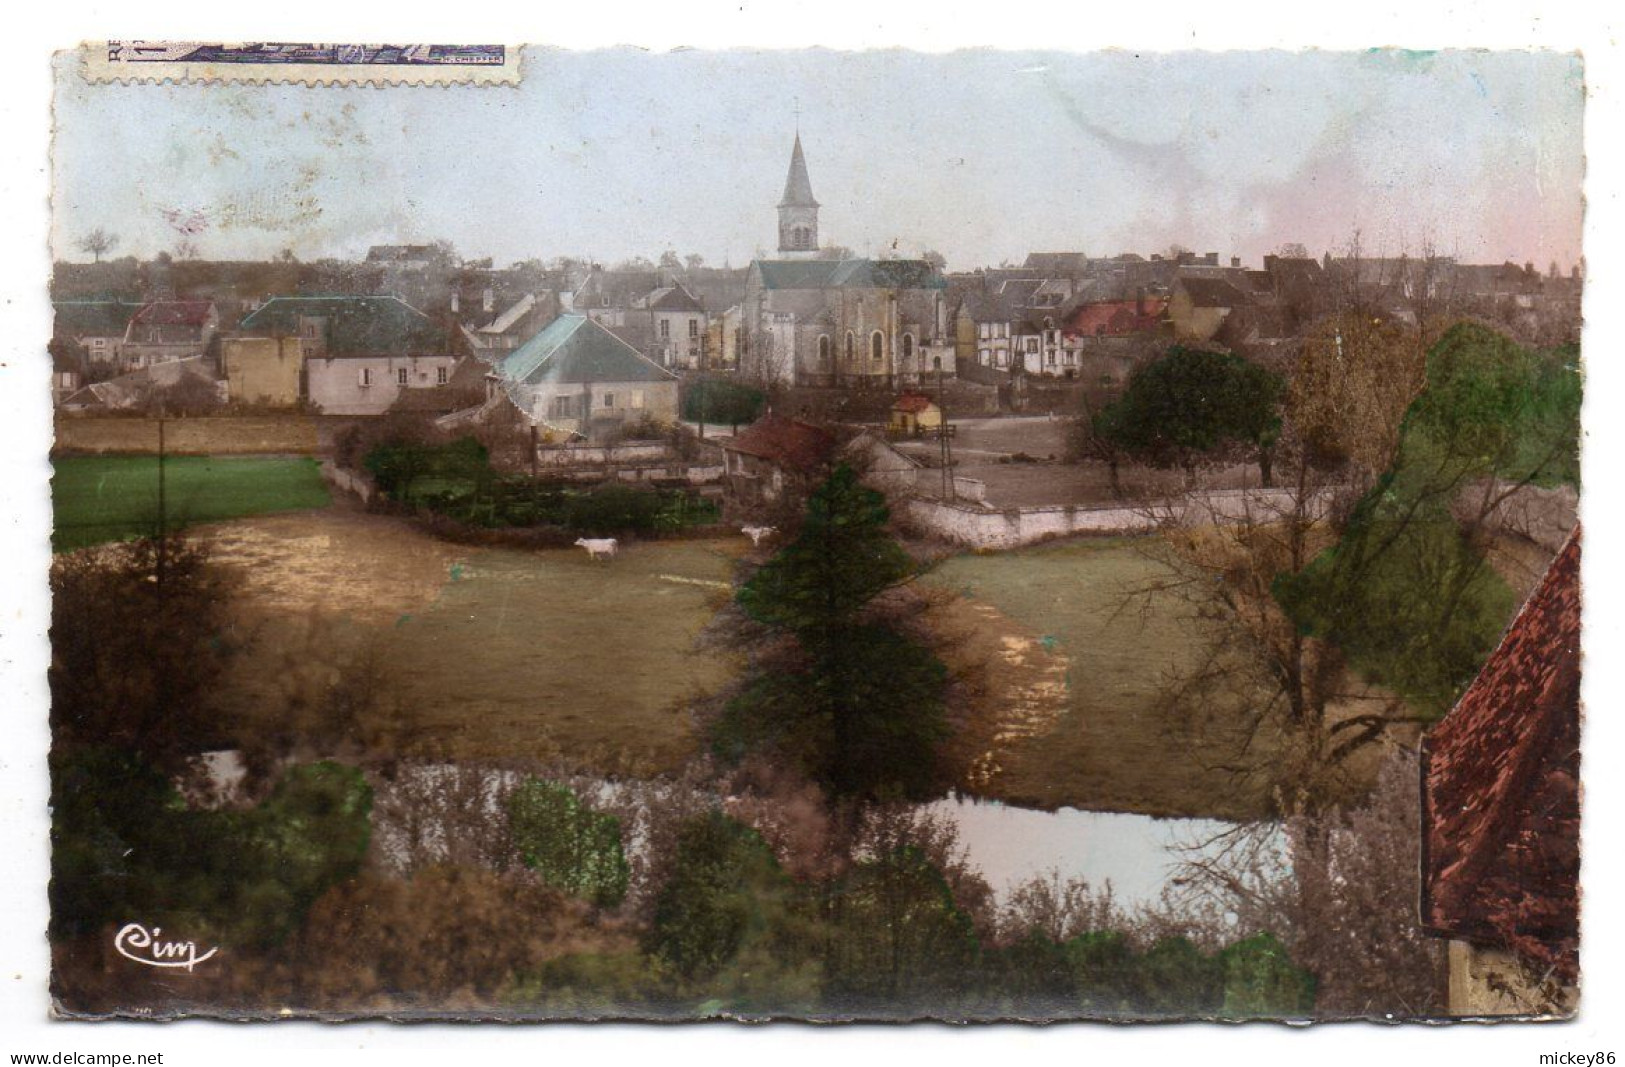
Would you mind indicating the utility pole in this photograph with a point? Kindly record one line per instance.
(163, 523)
(945, 454)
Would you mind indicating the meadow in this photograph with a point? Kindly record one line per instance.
(472, 653)
(98, 499)
(113, 498)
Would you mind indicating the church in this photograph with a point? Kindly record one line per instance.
(811, 320)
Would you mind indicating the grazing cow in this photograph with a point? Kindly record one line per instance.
(756, 533)
(597, 547)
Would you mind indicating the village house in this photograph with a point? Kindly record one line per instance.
(165, 330)
(577, 378)
(1501, 814)
(913, 414)
(516, 324)
(360, 352)
(676, 327)
(94, 329)
(772, 464)
(144, 389)
(1200, 304)
(267, 371)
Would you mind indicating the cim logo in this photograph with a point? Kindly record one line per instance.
(136, 942)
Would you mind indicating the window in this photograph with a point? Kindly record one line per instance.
(823, 348)
(563, 406)
(637, 398)
(986, 357)
(400, 377)
(441, 376)
(609, 400)
(1032, 344)
(877, 344)
(665, 329)
(908, 346)
(693, 329)
(366, 377)
(851, 346)
(98, 342)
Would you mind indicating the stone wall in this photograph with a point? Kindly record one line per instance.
(980, 527)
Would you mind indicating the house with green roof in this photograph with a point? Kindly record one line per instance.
(577, 378)
(359, 352)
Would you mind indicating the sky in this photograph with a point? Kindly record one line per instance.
(980, 155)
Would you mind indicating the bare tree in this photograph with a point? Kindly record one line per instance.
(98, 243)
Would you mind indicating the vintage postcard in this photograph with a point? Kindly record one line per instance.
(815, 535)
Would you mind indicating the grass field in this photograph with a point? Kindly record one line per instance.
(483, 653)
(111, 498)
(1111, 746)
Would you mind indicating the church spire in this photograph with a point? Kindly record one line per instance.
(797, 186)
(798, 211)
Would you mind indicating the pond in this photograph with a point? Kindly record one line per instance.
(1138, 855)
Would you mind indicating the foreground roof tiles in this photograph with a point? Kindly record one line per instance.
(1501, 791)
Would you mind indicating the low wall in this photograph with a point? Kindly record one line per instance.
(211, 435)
(349, 481)
(1012, 527)
(553, 456)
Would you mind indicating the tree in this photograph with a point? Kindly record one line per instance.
(98, 243)
(853, 700)
(693, 261)
(900, 944)
(669, 260)
(718, 400)
(730, 923)
(936, 260)
(1190, 402)
(1408, 593)
(842, 560)
(1292, 250)
(139, 636)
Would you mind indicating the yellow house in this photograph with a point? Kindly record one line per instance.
(914, 414)
(262, 370)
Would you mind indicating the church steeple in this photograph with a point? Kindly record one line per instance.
(798, 211)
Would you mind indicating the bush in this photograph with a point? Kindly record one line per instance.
(571, 847)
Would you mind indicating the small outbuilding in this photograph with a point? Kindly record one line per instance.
(914, 414)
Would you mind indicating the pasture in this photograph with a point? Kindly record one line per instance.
(1088, 724)
(490, 654)
(112, 498)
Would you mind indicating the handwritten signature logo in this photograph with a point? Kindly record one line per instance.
(136, 942)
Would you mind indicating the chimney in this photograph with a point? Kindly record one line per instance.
(1235, 262)
(1211, 259)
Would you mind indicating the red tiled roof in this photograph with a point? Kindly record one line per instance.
(175, 313)
(1115, 317)
(1501, 788)
(913, 402)
(788, 442)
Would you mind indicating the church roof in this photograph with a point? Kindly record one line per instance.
(797, 187)
(573, 348)
(849, 274)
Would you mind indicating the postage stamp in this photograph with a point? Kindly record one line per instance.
(816, 535)
(329, 64)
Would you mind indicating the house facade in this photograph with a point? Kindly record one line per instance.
(166, 330)
(576, 378)
(359, 352)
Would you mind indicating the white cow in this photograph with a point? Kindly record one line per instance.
(756, 533)
(597, 547)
